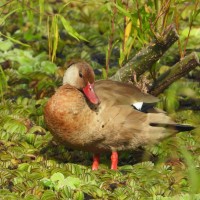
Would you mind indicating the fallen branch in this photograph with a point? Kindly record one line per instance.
(177, 71)
(144, 60)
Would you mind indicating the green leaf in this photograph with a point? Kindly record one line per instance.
(55, 36)
(48, 183)
(57, 177)
(18, 180)
(48, 195)
(48, 67)
(3, 82)
(14, 40)
(31, 197)
(24, 167)
(5, 157)
(5, 45)
(67, 192)
(30, 138)
(26, 69)
(70, 30)
(2, 19)
(124, 11)
(72, 182)
(79, 195)
(104, 74)
(66, 4)
(41, 5)
(34, 129)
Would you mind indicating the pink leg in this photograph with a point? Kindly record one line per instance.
(114, 160)
(95, 164)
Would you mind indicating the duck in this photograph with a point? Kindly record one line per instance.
(105, 116)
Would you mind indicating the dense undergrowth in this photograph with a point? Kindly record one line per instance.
(33, 166)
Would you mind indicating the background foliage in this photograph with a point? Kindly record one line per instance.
(38, 36)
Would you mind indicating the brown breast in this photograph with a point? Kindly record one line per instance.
(63, 113)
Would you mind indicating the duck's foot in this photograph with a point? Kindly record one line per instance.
(114, 160)
(95, 164)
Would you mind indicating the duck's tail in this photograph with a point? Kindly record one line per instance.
(177, 127)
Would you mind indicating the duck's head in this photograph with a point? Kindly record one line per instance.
(81, 76)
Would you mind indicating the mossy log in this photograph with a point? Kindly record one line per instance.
(177, 71)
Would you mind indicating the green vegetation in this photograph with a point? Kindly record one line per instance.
(38, 36)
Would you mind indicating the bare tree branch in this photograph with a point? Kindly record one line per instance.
(177, 71)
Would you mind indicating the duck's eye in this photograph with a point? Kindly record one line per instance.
(80, 75)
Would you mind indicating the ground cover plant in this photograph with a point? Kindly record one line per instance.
(38, 39)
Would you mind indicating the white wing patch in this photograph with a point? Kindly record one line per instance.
(138, 105)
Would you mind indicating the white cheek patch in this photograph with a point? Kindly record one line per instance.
(70, 75)
(138, 105)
